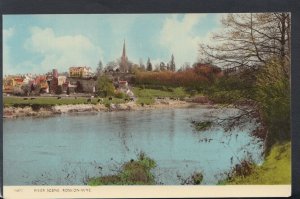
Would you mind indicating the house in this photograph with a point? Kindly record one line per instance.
(123, 84)
(61, 80)
(41, 81)
(80, 72)
(11, 84)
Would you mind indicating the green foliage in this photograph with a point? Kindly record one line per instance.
(105, 86)
(177, 92)
(275, 170)
(233, 88)
(268, 88)
(147, 95)
(149, 65)
(273, 94)
(121, 95)
(197, 178)
(107, 104)
(145, 100)
(134, 172)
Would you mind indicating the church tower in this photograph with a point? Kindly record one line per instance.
(124, 60)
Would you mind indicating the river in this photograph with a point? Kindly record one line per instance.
(67, 149)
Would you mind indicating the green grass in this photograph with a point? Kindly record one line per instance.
(147, 95)
(145, 100)
(275, 170)
(134, 172)
(19, 101)
(150, 93)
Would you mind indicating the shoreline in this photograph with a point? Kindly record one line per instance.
(27, 111)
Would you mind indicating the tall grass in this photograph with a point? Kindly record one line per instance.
(275, 170)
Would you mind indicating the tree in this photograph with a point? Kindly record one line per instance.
(135, 68)
(99, 68)
(257, 46)
(111, 65)
(250, 40)
(172, 64)
(142, 65)
(149, 65)
(162, 66)
(185, 66)
(105, 86)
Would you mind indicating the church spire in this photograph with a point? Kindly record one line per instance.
(123, 65)
(124, 50)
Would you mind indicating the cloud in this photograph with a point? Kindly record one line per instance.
(179, 37)
(62, 51)
(7, 34)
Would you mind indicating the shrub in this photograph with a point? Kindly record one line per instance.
(105, 86)
(132, 172)
(273, 95)
(120, 95)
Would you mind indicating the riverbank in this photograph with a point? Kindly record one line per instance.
(276, 169)
(46, 111)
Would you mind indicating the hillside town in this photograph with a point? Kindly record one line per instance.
(82, 80)
(78, 80)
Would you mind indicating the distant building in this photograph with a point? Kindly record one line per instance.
(80, 72)
(12, 83)
(55, 73)
(123, 84)
(42, 82)
(82, 85)
(61, 80)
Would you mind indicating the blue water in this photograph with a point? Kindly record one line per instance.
(67, 149)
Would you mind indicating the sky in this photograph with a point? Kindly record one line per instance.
(38, 43)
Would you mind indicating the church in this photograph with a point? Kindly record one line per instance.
(124, 61)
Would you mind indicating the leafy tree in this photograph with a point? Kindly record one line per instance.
(105, 86)
(149, 65)
(162, 66)
(172, 64)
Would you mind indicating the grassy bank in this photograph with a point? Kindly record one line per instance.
(147, 95)
(51, 101)
(275, 170)
(134, 172)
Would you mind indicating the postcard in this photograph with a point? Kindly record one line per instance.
(147, 105)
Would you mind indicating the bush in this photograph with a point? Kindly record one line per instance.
(273, 95)
(133, 172)
(105, 86)
(120, 95)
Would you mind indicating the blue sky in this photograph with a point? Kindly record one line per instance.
(37, 43)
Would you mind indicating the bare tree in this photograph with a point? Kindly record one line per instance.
(250, 40)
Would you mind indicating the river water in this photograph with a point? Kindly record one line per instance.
(67, 149)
